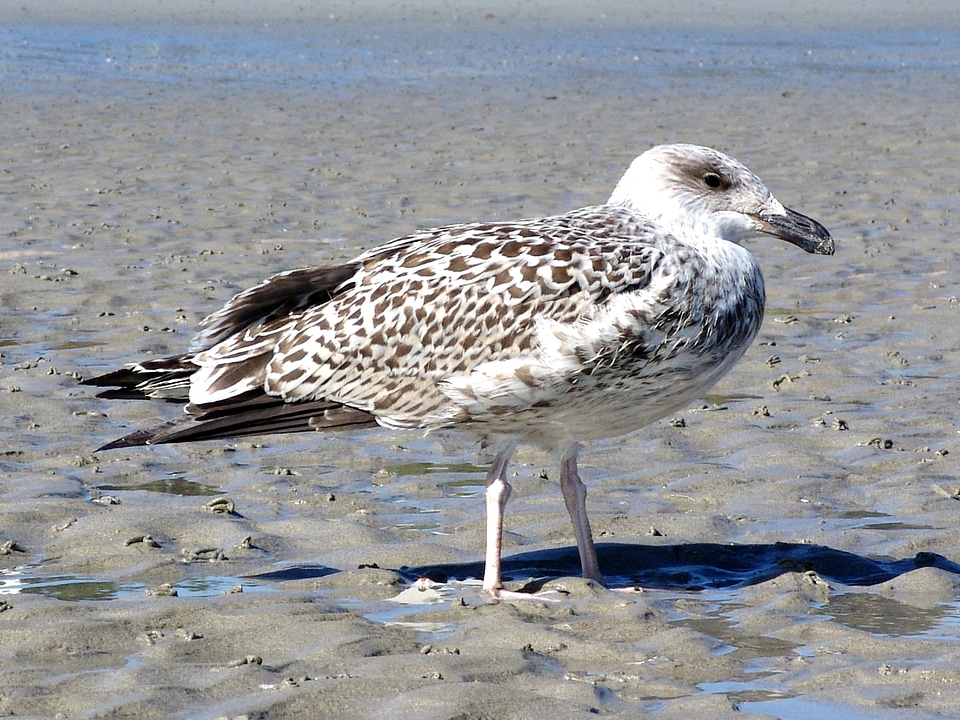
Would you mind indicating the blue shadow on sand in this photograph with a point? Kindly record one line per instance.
(696, 566)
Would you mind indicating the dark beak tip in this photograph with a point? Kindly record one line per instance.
(819, 240)
(800, 230)
(815, 245)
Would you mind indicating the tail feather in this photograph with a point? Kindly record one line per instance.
(161, 379)
(252, 412)
(257, 414)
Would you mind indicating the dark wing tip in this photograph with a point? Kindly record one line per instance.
(118, 378)
(254, 414)
(134, 439)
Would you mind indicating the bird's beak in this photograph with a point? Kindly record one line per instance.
(806, 233)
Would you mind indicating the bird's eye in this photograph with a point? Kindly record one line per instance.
(712, 180)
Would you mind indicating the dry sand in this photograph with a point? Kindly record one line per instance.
(795, 537)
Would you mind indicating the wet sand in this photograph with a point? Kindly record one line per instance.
(795, 536)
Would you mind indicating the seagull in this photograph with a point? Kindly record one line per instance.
(551, 331)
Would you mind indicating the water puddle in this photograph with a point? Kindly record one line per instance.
(465, 488)
(894, 526)
(738, 644)
(428, 468)
(765, 687)
(885, 616)
(760, 690)
(74, 588)
(795, 708)
(70, 588)
(173, 485)
(433, 527)
(216, 585)
(861, 515)
(712, 613)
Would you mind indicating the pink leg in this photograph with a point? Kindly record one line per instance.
(575, 498)
(497, 493)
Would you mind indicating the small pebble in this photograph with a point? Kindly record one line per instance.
(164, 590)
(145, 539)
(9, 547)
(248, 660)
(221, 506)
(189, 555)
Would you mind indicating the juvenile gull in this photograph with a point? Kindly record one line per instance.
(550, 330)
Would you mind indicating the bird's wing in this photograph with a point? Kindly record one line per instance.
(430, 307)
(277, 297)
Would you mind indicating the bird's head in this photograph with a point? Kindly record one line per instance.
(689, 186)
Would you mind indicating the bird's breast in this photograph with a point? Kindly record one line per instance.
(646, 355)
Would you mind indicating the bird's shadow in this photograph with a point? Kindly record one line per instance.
(689, 567)
(696, 566)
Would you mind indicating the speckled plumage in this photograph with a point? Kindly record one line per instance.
(588, 324)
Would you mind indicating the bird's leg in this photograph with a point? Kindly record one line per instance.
(575, 498)
(497, 493)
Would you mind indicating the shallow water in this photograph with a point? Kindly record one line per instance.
(78, 588)
(152, 170)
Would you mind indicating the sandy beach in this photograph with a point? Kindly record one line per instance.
(787, 548)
